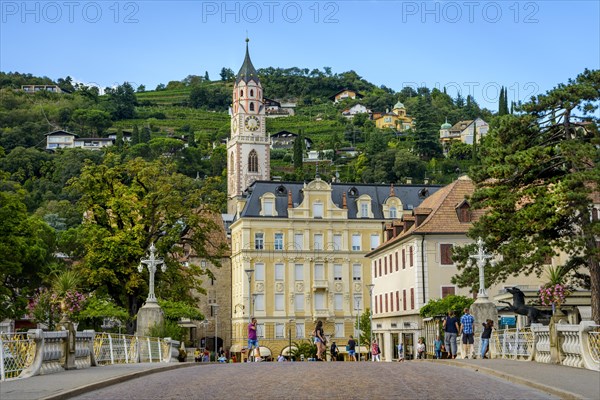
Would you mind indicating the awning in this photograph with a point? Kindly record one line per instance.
(236, 348)
(286, 350)
(265, 352)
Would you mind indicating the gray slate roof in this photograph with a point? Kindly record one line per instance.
(410, 195)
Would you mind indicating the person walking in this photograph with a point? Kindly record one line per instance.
(375, 351)
(420, 349)
(437, 347)
(334, 351)
(467, 322)
(451, 327)
(485, 337)
(320, 340)
(253, 341)
(352, 348)
(400, 352)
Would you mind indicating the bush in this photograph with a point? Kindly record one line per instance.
(168, 329)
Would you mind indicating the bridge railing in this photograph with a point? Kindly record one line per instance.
(40, 352)
(566, 344)
(17, 352)
(516, 344)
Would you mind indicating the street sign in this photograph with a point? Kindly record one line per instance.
(508, 320)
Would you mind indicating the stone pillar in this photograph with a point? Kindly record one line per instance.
(557, 318)
(388, 352)
(482, 311)
(68, 362)
(149, 315)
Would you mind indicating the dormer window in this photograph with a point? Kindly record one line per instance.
(363, 204)
(268, 205)
(353, 192)
(463, 212)
(393, 212)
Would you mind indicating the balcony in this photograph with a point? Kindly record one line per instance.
(320, 284)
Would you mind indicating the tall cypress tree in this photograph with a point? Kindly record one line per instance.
(135, 136)
(501, 101)
(298, 151)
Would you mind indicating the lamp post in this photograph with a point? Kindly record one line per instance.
(249, 273)
(357, 308)
(204, 325)
(290, 338)
(216, 308)
(371, 286)
(481, 257)
(152, 262)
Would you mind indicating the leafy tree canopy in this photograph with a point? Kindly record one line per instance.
(538, 178)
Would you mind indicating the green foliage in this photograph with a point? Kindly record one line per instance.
(538, 172)
(175, 310)
(364, 325)
(168, 329)
(99, 307)
(66, 281)
(305, 348)
(129, 205)
(437, 307)
(26, 245)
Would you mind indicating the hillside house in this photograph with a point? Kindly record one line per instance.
(396, 119)
(463, 131)
(345, 94)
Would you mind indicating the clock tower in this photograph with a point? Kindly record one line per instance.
(248, 148)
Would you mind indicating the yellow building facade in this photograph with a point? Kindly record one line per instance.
(396, 119)
(305, 244)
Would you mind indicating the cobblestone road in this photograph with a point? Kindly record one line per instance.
(313, 380)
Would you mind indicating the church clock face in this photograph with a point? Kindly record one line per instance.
(252, 123)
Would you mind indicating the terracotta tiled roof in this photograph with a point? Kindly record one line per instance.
(440, 208)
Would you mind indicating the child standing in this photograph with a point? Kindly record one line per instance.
(437, 346)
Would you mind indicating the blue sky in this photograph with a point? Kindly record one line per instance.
(472, 46)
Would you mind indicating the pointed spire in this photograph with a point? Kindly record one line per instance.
(392, 192)
(247, 71)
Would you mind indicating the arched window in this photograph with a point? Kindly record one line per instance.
(241, 93)
(251, 106)
(252, 162)
(251, 93)
(393, 212)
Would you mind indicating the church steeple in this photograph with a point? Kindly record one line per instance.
(248, 147)
(247, 72)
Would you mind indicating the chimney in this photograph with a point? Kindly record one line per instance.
(344, 204)
(290, 204)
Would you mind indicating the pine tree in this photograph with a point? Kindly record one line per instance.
(206, 78)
